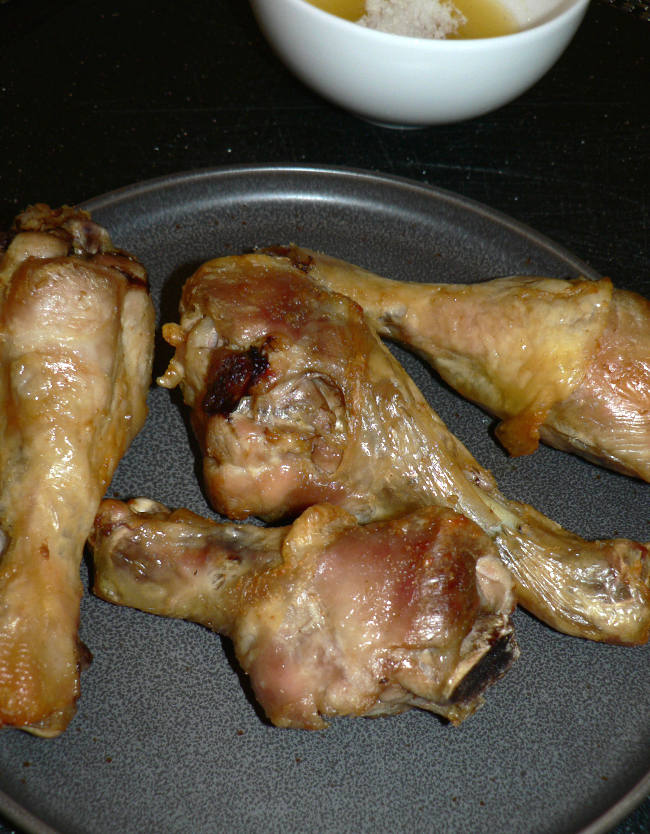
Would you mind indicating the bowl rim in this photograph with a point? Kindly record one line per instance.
(409, 41)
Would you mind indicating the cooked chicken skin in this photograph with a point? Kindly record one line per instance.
(295, 401)
(76, 342)
(567, 361)
(328, 618)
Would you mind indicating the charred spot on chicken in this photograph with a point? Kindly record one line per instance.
(232, 376)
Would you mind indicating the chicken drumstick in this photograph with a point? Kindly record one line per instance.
(76, 344)
(327, 618)
(564, 361)
(295, 401)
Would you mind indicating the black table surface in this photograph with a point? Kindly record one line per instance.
(97, 95)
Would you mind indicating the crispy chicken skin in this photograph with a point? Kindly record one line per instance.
(76, 342)
(295, 401)
(567, 361)
(327, 618)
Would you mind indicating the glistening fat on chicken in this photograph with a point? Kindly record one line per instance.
(295, 401)
(328, 618)
(76, 345)
(567, 361)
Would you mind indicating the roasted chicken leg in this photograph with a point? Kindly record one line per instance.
(567, 361)
(295, 401)
(327, 617)
(76, 342)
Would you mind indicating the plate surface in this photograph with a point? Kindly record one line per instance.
(166, 738)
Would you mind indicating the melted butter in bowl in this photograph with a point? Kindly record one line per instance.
(347, 9)
(406, 82)
(484, 18)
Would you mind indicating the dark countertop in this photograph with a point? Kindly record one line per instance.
(96, 95)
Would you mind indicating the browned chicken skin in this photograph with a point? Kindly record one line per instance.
(76, 342)
(327, 617)
(567, 361)
(295, 401)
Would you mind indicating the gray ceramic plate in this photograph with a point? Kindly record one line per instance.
(166, 739)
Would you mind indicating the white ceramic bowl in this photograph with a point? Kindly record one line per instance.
(401, 81)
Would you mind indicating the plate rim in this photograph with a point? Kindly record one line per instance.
(112, 198)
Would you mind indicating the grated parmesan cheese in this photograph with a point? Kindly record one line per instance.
(415, 18)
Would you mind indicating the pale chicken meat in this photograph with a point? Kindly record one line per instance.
(296, 401)
(328, 618)
(76, 343)
(564, 361)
